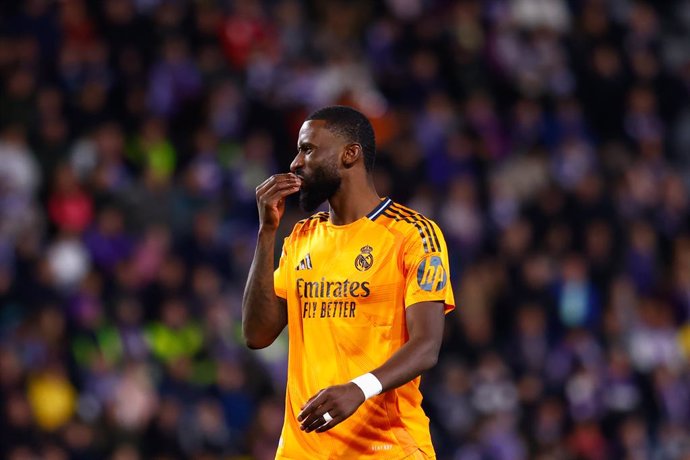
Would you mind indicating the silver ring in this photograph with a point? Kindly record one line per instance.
(327, 417)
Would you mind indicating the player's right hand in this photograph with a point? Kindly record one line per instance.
(270, 198)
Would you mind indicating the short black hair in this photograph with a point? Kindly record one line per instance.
(353, 126)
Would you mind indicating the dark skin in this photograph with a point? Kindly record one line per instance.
(264, 315)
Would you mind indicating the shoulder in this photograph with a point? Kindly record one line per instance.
(414, 226)
(401, 217)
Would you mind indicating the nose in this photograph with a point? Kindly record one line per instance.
(297, 163)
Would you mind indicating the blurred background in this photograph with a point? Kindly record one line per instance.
(550, 139)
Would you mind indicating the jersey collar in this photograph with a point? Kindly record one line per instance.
(379, 208)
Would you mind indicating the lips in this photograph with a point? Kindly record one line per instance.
(302, 180)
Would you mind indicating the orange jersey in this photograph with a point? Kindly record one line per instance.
(347, 288)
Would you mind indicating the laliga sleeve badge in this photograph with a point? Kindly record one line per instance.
(431, 276)
(365, 259)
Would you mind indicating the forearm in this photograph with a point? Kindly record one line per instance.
(410, 361)
(263, 314)
(425, 328)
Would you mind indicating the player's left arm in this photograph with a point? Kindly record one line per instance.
(425, 329)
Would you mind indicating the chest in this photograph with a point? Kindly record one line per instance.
(351, 277)
(357, 255)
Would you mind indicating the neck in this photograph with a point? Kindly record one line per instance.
(354, 200)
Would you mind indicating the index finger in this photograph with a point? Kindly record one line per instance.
(311, 405)
(275, 178)
(310, 400)
(287, 175)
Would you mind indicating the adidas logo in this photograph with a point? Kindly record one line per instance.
(304, 264)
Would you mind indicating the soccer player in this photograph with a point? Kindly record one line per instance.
(363, 290)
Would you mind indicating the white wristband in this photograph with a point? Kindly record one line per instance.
(369, 385)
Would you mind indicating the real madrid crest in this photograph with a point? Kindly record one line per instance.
(365, 259)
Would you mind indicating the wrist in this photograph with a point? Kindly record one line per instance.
(369, 384)
(268, 231)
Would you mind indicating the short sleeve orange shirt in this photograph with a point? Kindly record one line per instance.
(347, 288)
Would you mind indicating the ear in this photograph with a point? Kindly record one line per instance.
(352, 154)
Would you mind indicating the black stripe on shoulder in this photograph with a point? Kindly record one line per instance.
(431, 231)
(393, 214)
(311, 221)
(318, 217)
(424, 219)
(417, 222)
(432, 228)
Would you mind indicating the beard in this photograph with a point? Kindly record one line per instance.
(322, 185)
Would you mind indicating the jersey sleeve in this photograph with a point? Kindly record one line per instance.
(425, 261)
(280, 273)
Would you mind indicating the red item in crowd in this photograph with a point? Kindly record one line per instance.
(242, 34)
(69, 207)
(72, 211)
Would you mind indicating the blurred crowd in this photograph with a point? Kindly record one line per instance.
(550, 139)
